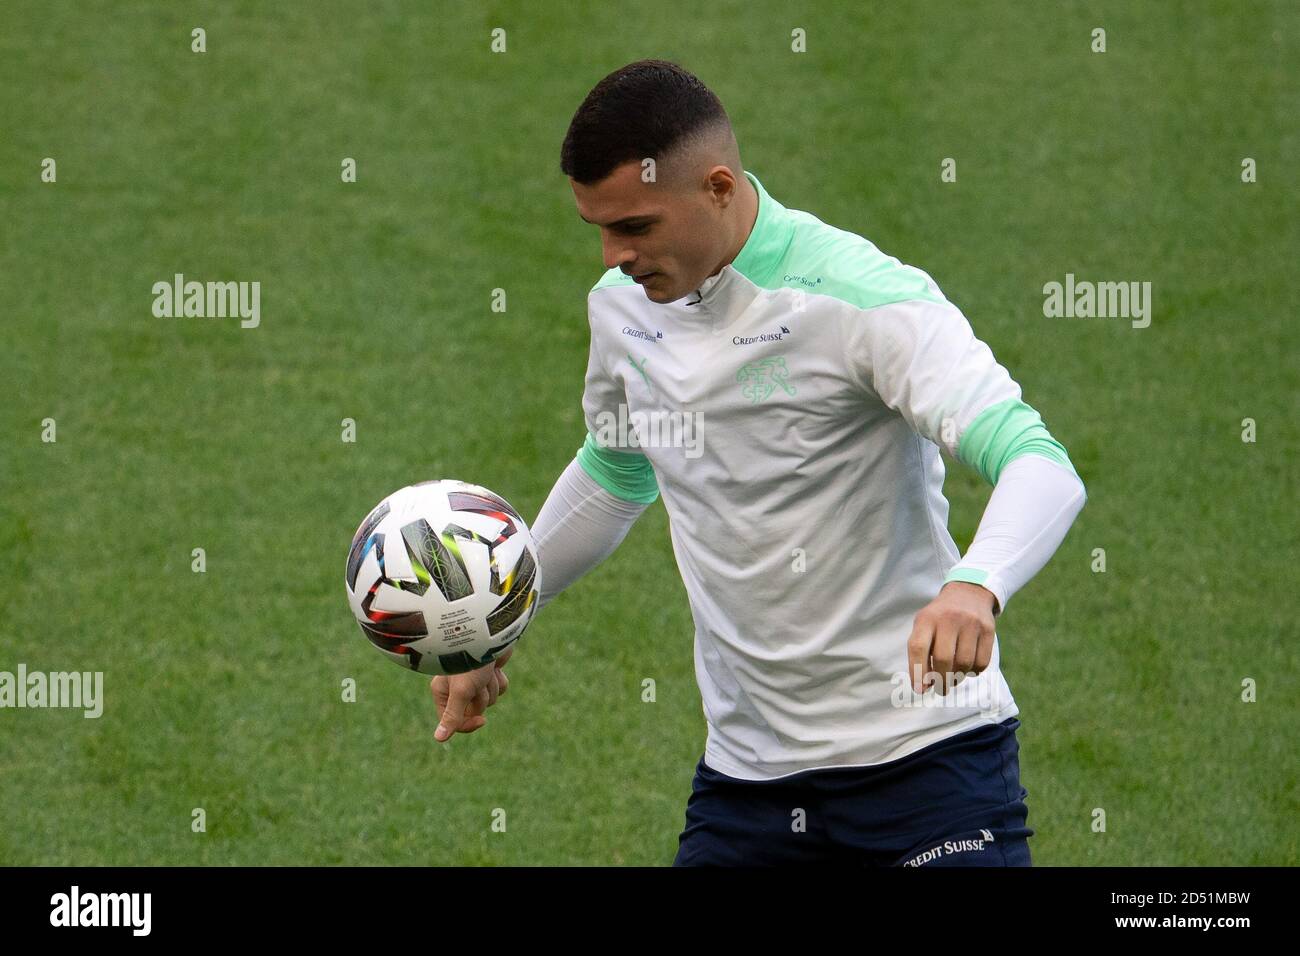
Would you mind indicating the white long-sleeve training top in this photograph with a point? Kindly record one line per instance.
(791, 413)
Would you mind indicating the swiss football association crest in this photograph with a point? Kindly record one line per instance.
(760, 379)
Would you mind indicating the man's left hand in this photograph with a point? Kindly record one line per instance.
(951, 635)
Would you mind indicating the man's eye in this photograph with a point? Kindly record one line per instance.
(635, 230)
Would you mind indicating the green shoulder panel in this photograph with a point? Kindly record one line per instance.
(824, 260)
(613, 277)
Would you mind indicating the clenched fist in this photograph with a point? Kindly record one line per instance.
(951, 635)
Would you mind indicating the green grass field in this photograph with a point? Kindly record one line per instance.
(223, 688)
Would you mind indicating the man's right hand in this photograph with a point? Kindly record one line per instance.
(462, 698)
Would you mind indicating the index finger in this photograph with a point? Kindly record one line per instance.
(453, 712)
(918, 654)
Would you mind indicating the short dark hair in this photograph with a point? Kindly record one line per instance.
(645, 109)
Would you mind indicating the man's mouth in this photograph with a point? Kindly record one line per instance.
(643, 276)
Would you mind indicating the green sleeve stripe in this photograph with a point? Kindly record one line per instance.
(1003, 432)
(969, 575)
(975, 576)
(627, 475)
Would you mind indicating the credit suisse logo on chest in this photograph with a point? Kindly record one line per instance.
(761, 337)
(643, 335)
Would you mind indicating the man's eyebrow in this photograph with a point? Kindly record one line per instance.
(625, 221)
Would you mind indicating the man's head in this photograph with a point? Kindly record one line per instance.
(652, 160)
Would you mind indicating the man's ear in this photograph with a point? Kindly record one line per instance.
(722, 186)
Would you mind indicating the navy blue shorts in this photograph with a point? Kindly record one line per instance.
(957, 802)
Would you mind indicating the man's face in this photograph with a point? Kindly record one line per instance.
(674, 233)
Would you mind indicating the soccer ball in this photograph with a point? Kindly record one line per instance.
(443, 576)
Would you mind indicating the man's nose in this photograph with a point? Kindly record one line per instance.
(616, 254)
